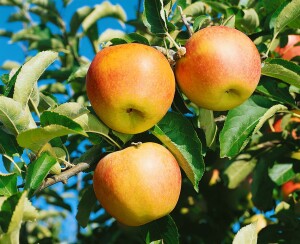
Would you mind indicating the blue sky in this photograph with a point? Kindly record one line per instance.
(14, 52)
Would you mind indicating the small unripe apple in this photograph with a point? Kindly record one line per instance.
(130, 87)
(291, 49)
(278, 124)
(138, 184)
(220, 70)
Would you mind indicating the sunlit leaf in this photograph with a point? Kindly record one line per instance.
(248, 234)
(105, 9)
(281, 173)
(35, 139)
(281, 69)
(13, 116)
(30, 73)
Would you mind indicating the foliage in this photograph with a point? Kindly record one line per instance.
(234, 162)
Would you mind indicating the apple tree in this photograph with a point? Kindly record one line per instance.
(239, 168)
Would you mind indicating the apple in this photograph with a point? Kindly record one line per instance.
(138, 184)
(220, 70)
(278, 124)
(290, 50)
(288, 188)
(130, 87)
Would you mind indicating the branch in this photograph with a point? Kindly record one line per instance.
(185, 21)
(64, 176)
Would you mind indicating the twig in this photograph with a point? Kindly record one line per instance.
(185, 21)
(64, 176)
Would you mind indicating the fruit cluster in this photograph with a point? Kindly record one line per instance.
(132, 86)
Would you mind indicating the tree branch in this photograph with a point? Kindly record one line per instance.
(64, 176)
(185, 21)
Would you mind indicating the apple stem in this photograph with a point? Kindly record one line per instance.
(271, 43)
(185, 21)
(172, 41)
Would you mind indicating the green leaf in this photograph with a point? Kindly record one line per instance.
(35, 139)
(90, 123)
(11, 215)
(79, 74)
(239, 169)
(277, 91)
(208, 124)
(13, 116)
(30, 73)
(192, 10)
(71, 110)
(199, 21)
(281, 69)
(50, 118)
(163, 230)
(248, 234)
(78, 17)
(86, 206)
(285, 14)
(11, 82)
(243, 121)
(262, 186)
(8, 184)
(249, 21)
(109, 34)
(105, 9)
(179, 136)
(8, 144)
(155, 18)
(37, 172)
(9, 65)
(281, 173)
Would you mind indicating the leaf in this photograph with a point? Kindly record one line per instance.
(78, 17)
(285, 14)
(9, 65)
(277, 91)
(179, 136)
(13, 116)
(30, 212)
(86, 206)
(243, 121)
(163, 230)
(79, 74)
(11, 215)
(90, 123)
(35, 139)
(105, 9)
(248, 234)
(281, 69)
(30, 73)
(239, 169)
(208, 124)
(199, 21)
(37, 172)
(8, 184)
(50, 118)
(155, 18)
(109, 34)
(8, 144)
(281, 173)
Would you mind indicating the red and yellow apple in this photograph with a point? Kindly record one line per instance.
(138, 184)
(130, 87)
(291, 49)
(288, 188)
(220, 70)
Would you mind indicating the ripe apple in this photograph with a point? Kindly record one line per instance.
(288, 188)
(278, 124)
(220, 70)
(130, 87)
(290, 50)
(138, 184)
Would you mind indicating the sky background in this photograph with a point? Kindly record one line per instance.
(14, 52)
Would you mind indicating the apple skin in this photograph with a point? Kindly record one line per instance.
(138, 184)
(288, 188)
(130, 87)
(289, 51)
(220, 70)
